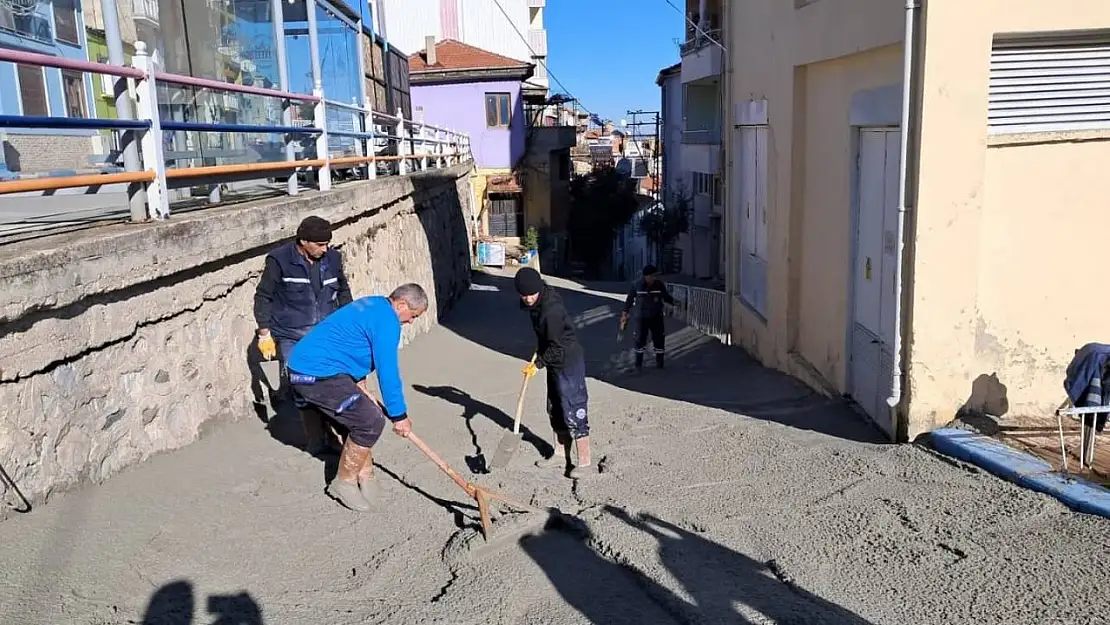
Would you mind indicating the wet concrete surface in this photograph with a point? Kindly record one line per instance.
(728, 494)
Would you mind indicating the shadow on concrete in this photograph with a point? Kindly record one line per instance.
(719, 585)
(175, 604)
(698, 369)
(473, 407)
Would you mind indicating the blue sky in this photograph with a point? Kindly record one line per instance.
(608, 52)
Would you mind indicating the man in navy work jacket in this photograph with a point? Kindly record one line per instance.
(558, 351)
(650, 293)
(327, 369)
(302, 283)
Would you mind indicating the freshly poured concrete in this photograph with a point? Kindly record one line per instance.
(728, 495)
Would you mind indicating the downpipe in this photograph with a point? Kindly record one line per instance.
(897, 383)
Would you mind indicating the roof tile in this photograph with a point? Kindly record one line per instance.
(451, 54)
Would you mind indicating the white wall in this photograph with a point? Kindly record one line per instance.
(481, 24)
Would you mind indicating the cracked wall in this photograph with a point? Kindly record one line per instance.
(125, 341)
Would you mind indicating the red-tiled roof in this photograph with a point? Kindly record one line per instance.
(451, 54)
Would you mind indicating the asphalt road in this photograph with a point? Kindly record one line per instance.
(728, 494)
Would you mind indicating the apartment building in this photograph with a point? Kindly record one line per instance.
(908, 185)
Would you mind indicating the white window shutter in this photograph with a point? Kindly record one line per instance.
(1049, 84)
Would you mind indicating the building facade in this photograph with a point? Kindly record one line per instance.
(511, 28)
(906, 190)
(56, 28)
(478, 92)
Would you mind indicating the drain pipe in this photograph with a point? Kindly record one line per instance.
(908, 93)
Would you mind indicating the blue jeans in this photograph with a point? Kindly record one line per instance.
(567, 399)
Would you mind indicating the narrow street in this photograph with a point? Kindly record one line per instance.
(728, 494)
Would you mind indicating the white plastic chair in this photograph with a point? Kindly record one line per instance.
(1087, 431)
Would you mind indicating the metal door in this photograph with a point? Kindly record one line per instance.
(506, 216)
(873, 296)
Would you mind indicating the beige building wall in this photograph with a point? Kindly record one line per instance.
(806, 64)
(1000, 276)
(1003, 267)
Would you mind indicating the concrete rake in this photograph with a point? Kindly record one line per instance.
(480, 494)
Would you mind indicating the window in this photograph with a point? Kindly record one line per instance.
(1049, 83)
(73, 86)
(32, 90)
(703, 183)
(65, 22)
(717, 193)
(498, 109)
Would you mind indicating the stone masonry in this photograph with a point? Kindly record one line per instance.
(124, 341)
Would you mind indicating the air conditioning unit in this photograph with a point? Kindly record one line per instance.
(108, 85)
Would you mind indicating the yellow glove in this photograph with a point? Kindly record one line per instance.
(529, 369)
(267, 347)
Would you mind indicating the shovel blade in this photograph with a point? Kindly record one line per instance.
(506, 449)
(271, 371)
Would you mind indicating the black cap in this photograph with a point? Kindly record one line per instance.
(650, 270)
(314, 230)
(528, 281)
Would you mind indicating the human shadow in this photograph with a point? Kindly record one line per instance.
(473, 407)
(719, 584)
(175, 604)
(699, 369)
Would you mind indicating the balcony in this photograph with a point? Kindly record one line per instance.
(706, 136)
(145, 11)
(537, 40)
(701, 57)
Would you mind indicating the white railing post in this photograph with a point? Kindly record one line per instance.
(402, 145)
(153, 151)
(423, 146)
(320, 111)
(452, 149)
(441, 139)
(371, 142)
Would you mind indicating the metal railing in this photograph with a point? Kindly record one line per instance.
(705, 310)
(371, 142)
(698, 40)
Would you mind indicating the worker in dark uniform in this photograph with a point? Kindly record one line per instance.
(302, 283)
(328, 371)
(558, 351)
(649, 294)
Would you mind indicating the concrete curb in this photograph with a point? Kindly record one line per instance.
(1022, 469)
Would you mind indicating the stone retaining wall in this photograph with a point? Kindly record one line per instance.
(124, 341)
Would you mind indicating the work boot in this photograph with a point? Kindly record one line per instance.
(369, 487)
(558, 460)
(345, 486)
(585, 467)
(314, 441)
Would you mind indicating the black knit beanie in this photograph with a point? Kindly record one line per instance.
(528, 281)
(650, 270)
(314, 230)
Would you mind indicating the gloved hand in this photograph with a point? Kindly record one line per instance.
(624, 319)
(529, 369)
(267, 347)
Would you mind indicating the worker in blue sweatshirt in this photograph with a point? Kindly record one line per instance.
(327, 370)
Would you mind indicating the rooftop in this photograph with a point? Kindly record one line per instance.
(456, 55)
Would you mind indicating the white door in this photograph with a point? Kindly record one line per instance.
(872, 331)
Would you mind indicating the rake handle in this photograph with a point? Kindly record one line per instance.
(434, 457)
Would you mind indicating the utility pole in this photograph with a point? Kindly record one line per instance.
(654, 121)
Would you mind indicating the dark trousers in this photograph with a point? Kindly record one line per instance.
(654, 327)
(341, 399)
(567, 400)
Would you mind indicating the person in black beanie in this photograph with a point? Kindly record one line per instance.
(302, 283)
(558, 351)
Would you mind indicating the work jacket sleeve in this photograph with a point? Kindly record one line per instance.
(631, 298)
(343, 288)
(551, 332)
(667, 297)
(268, 284)
(386, 344)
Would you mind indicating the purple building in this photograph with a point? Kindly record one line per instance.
(468, 89)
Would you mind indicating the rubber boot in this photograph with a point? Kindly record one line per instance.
(659, 360)
(557, 460)
(639, 361)
(585, 467)
(369, 487)
(313, 423)
(345, 485)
